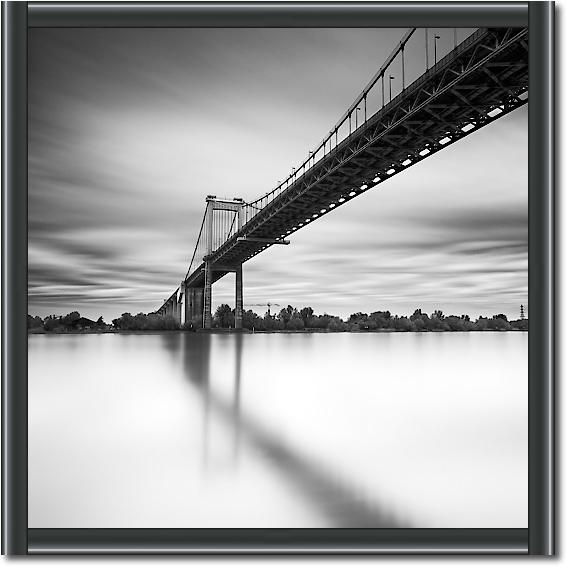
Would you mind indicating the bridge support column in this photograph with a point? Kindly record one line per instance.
(207, 309)
(178, 303)
(239, 297)
(182, 302)
(188, 300)
(194, 305)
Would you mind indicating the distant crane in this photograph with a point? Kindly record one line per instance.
(268, 305)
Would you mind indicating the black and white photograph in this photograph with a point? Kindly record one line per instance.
(278, 278)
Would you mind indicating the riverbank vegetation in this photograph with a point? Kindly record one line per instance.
(288, 319)
(293, 319)
(74, 322)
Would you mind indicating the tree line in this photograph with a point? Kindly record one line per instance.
(68, 323)
(288, 318)
(74, 322)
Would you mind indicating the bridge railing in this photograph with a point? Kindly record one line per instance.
(418, 50)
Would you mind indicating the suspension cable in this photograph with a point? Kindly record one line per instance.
(196, 247)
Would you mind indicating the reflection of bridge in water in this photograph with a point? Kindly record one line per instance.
(480, 79)
(333, 497)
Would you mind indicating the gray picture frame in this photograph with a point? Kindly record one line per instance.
(538, 538)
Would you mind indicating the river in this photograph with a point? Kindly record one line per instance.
(174, 430)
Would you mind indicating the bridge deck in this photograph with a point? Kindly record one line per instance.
(482, 79)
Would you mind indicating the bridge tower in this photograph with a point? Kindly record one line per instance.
(214, 236)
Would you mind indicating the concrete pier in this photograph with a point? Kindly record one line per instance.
(207, 310)
(194, 303)
(239, 297)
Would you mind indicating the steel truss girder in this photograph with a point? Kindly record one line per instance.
(361, 158)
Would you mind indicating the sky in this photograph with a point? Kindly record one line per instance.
(130, 129)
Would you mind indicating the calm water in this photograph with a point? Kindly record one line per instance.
(278, 430)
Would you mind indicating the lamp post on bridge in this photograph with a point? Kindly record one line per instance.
(436, 38)
(426, 47)
(391, 78)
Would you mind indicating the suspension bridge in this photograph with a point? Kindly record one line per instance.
(480, 79)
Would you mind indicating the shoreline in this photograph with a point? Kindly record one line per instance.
(246, 331)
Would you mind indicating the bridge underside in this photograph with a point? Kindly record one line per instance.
(484, 78)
